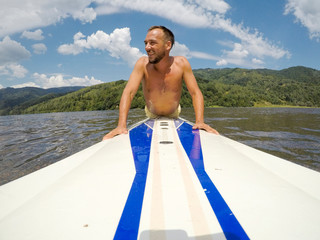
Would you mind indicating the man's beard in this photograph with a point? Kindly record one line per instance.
(157, 59)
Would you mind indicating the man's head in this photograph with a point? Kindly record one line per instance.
(158, 43)
(168, 35)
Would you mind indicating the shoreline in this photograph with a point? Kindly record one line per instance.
(255, 106)
(265, 106)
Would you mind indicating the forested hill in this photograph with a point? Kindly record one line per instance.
(15, 100)
(296, 86)
(98, 97)
(229, 87)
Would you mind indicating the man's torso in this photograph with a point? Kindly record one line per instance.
(162, 91)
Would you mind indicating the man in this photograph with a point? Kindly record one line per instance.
(161, 76)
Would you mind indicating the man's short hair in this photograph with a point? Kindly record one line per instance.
(167, 33)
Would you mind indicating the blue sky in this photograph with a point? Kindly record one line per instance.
(54, 43)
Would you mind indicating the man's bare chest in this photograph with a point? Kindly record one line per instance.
(169, 81)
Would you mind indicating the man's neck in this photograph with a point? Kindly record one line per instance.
(164, 65)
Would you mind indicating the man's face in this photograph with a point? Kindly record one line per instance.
(155, 45)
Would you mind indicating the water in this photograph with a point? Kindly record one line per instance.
(31, 142)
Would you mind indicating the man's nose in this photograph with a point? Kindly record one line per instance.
(147, 47)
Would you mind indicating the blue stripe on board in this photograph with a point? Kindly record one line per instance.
(190, 140)
(150, 122)
(140, 138)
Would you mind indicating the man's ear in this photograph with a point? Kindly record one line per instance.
(169, 45)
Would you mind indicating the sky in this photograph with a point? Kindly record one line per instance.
(56, 43)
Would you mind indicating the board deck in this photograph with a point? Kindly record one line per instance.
(164, 180)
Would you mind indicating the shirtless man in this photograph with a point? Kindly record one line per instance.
(161, 76)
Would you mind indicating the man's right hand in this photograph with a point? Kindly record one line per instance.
(115, 132)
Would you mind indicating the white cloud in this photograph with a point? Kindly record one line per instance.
(12, 51)
(39, 48)
(182, 50)
(203, 55)
(27, 84)
(106, 9)
(250, 50)
(238, 52)
(236, 56)
(36, 35)
(75, 48)
(1, 86)
(117, 44)
(58, 80)
(240, 56)
(219, 6)
(222, 62)
(86, 15)
(187, 13)
(20, 15)
(179, 49)
(253, 42)
(257, 61)
(307, 12)
(13, 70)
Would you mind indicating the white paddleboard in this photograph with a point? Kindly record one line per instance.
(164, 180)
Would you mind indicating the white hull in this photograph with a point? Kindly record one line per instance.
(161, 181)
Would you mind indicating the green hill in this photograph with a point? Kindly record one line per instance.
(14, 100)
(98, 97)
(296, 86)
(229, 87)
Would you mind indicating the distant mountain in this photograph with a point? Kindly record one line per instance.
(236, 87)
(242, 76)
(228, 87)
(13, 100)
(98, 97)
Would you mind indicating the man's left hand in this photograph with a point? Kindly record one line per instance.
(205, 127)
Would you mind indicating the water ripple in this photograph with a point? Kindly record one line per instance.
(31, 142)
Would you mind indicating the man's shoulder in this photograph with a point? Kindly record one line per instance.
(142, 62)
(181, 61)
(180, 58)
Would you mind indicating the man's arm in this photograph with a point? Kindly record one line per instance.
(127, 95)
(197, 97)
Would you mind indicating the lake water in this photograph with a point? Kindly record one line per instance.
(31, 142)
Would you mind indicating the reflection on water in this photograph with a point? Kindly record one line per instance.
(30, 142)
(290, 133)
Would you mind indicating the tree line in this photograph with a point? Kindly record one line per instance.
(229, 87)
